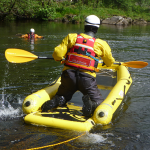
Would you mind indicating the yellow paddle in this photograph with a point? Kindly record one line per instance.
(135, 64)
(21, 56)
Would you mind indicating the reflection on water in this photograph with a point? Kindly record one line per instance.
(130, 128)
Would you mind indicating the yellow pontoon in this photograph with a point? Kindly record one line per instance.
(114, 82)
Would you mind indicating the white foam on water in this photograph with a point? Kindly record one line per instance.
(19, 101)
(9, 112)
(96, 138)
(92, 138)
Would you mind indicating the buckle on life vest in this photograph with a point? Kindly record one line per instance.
(84, 41)
(95, 69)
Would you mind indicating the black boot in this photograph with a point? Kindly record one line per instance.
(88, 106)
(53, 103)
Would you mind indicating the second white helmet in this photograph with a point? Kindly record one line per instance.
(92, 20)
(32, 30)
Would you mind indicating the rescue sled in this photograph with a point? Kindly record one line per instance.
(113, 82)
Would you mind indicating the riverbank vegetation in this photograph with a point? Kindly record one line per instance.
(56, 10)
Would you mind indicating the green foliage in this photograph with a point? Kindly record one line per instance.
(46, 13)
(79, 18)
(66, 3)
(120, 4)
(66, 10)
(51, 9)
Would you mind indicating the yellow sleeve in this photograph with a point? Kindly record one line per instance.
(103, 50)
(37, 36)
(61, 50)
(24, 36)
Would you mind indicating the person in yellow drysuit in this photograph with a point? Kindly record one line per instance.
(32, 35)
(81, 52)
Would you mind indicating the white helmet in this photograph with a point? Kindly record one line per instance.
(92, 20)
(32, 30)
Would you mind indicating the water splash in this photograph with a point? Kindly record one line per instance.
(8, 112)
(92, 138)
(8, 109)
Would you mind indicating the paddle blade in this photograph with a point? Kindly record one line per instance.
(19, 56)
(135, 64)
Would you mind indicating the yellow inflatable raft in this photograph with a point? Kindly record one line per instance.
(114, 82)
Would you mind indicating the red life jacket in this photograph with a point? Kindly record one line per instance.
(76, 57)
(31, 36)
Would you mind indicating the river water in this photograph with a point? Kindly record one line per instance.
(130, 130)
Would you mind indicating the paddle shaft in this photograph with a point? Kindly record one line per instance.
(42, 57)
(14, 55)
